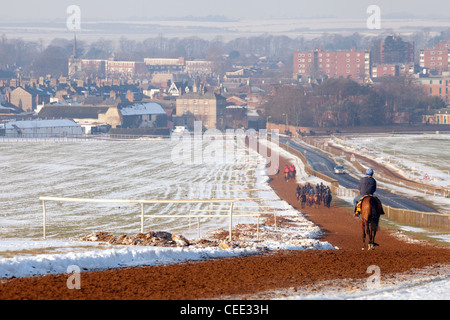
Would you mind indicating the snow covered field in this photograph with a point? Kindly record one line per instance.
(121, 170)
(139, 170)
(111, 170)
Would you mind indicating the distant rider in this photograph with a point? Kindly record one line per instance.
(286, 173)
(292, 171)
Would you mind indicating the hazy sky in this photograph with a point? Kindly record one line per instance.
(39, 10)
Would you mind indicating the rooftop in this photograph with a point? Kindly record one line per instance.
(142, 108)
(29, 124)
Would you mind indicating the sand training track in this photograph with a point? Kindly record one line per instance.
(245, 277)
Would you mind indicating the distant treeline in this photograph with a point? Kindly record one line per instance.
(33, 58)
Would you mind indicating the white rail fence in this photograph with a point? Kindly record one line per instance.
(230, 212)
(344, 192)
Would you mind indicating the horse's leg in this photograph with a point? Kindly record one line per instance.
(375, 229)
(374, 224)
(363, 227)
(373, 240)
(369, 231)
(373, 232)
(372, 235)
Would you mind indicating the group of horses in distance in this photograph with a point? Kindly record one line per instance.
(314, 199)
(289, 172)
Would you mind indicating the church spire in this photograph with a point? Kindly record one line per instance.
(74, 45)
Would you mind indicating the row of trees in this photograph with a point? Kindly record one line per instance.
(343, 102)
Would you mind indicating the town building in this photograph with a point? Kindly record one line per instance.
(164, 64)
(194, 67)
(80, 68)
(29, 98)
(393, 70)
(437, 86)
(315, 64)
(120, 115)
(437, 59)
(85, 115)
(385, 70)
(201, 105)
(38, 128)
(125, 68)
(143, 115)
(441, 116)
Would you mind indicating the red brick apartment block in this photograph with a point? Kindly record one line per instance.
(436, 59)
(351, 64)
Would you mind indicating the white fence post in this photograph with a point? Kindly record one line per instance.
(231, 218)
(44, 218)
(142, 217)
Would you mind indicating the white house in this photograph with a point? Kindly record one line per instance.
(42, 128)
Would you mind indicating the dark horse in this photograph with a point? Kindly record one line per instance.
(371, 210)
(301, 197)
(327, 199)
(317, 200)
(310, 199)
(292, 173)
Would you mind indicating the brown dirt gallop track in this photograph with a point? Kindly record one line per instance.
(244, 276)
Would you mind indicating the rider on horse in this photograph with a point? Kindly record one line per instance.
(367, 186)
(292, 171)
